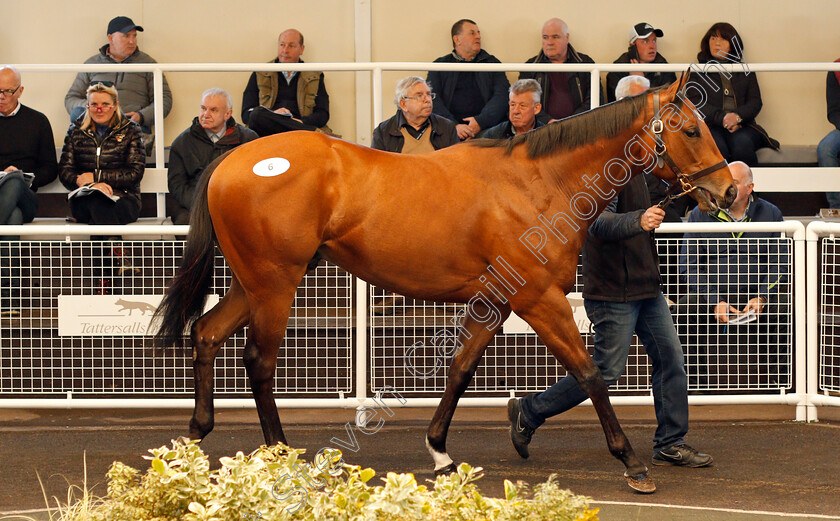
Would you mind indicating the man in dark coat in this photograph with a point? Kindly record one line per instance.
(622, 296)
(212, 133)
(523, 109)
(473, 100)
(563, 93)
(736, 275)
(414, 129)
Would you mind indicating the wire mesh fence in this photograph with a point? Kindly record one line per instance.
(412, 342)
(829, 317)
(36, 359)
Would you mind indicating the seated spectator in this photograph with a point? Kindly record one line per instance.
(563, 93)
(103, 151)
(473, 100)
(631, 86)
(729, 275)
(523, 107)
(275, 102)
(213, 132)
(26, 147)
(642, 49)
(135, 89)
(414, 129)
(828, 150)
(733, 100)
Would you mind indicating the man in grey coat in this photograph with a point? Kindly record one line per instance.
(135, 89)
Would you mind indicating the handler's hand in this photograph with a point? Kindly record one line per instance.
(652, 218)
(722, 311)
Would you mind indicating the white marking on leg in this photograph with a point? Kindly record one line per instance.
(442, 459)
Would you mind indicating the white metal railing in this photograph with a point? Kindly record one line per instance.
(805, 348)
(377, 68)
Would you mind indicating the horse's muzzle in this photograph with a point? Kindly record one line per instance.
(729, 197)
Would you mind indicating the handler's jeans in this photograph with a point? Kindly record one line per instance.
(613, 324)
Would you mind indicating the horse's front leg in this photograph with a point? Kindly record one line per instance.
(473, 337)
(552, 319)
(209, 333)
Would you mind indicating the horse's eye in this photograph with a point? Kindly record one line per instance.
(692, 132)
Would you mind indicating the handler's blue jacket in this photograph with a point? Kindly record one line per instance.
(732, 266)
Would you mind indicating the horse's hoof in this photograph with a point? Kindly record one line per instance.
(641, 483)
(447, 470)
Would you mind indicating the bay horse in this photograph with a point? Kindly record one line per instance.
(428, 227)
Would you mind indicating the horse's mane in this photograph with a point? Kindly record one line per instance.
(603, 122)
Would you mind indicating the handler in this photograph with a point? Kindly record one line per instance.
(621, 290)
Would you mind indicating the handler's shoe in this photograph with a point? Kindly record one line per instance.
(682, 456)
(520, 433)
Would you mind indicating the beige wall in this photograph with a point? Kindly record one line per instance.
(47, 31)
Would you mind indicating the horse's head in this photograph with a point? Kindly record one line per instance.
(686, 155)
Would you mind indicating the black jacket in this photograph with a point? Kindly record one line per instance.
(493, 87)
(504, 130)
(387, 135)
(619, 258)
(656, 78)
(120, 163)
(192, 151)
(832, 98)
(747, 99)
(578, 82)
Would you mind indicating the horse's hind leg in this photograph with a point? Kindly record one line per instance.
(552, 320)
(473, 338)
(267, 325)
(209, 333)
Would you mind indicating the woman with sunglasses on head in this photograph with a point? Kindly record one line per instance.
(732, 100)
(103, 151)
(103, 158)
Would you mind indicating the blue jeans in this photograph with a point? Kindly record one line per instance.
(18, 203)
(828, 153)
(614, 324)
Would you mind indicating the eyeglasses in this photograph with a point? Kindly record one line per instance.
(100, 108)
(9, 92)
(421, 97)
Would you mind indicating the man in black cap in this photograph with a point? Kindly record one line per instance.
(135, 89)
(642, 49)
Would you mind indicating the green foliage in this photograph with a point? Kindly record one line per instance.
(179, 485)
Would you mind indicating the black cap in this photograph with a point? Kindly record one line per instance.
(642, 31)
(122, 24)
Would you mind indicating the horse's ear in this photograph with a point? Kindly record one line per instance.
(683, 81)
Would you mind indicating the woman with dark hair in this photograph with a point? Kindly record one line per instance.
(103, 152)
(732, 100)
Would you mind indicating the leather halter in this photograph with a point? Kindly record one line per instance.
(662, 157)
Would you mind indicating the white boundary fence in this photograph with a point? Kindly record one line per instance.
(809, 363)
(806, 395)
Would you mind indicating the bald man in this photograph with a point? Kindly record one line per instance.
(563, 93)
(27, 149)
(731, 274)
(275, 102)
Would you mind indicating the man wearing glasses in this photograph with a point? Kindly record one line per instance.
(135, 89)
(414, 129)
(26, 148)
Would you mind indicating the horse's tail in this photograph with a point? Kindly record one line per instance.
(185, 297)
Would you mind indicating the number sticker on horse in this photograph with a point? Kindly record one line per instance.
(271, 167)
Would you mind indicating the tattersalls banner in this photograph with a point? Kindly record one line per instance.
(110, 315)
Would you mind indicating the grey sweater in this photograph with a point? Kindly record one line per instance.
(136, 89)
